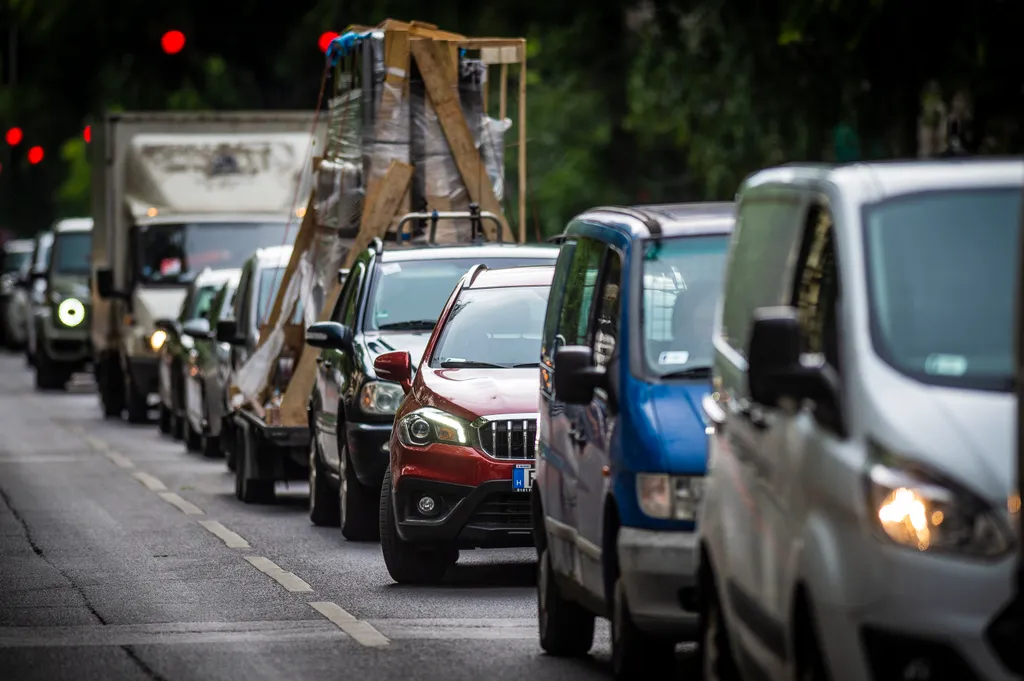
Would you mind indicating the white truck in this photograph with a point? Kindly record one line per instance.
(173, 194)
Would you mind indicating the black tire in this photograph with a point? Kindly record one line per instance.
(324, 506)
(810, 662)
(247, 489)
(359, 516)
(209, 446)
(49, 374)
(715, 651)
(111, 385)
(229, 443)
(135, 402)
(164, 422)
(634, 651)
(409, 563)
(566, 628)
(192, 438)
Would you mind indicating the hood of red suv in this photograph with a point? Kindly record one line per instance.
(471, 393)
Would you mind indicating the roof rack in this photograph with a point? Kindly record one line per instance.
(652, 225)
(474, 215)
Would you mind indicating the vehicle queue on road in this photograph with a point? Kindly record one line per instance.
(780, 427)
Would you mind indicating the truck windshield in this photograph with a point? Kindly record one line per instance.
(682, 281)
(71, 253)
(941, 273)
(173, 253)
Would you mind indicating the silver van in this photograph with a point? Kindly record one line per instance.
(858, 517)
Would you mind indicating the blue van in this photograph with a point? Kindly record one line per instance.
(625, 361)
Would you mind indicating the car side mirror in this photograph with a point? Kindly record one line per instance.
(198, 328)
(105, 283)
(576, 376)
(227, 332)
(776, 367)
(329, 336)
(396, 367)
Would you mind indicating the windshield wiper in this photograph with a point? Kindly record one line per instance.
(410, 325)
(455, 363)
(691, 372)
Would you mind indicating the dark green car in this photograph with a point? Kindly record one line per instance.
(62, 336)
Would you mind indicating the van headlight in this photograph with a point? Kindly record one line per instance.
(923, 510)
(70, 312)
(675, 497)
(157, 340)
(427, 426)
(378, 398)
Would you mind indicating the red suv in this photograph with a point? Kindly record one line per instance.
(465, 436)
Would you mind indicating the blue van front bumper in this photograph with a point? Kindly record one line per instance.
(659, 570)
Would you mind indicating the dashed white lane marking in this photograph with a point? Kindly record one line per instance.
(232, 540)
(286, 579)
(459, 629)
(173, 633)
(183, 505)
(120, 459)
(151, 483)
(360, 631)
(94, 442)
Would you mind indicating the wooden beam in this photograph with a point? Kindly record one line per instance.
(431, 58)
(303, 240)
(522, 151)
(508, 54)
(483, 43)
(380, 208)
(503, 93)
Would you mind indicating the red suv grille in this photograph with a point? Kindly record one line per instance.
(510, 439)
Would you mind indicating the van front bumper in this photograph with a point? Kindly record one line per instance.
(659, 570)
(68, 345)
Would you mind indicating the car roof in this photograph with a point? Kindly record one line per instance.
(871, 182)
(19, 246)
(73, 225)
(185, 218)
(211, 277)
(469, 252)
(667, 220)
(273, 256)
(512, 277)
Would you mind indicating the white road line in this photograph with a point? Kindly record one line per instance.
(97, 444)
(286, 579)
(151, 483)
(233, 540)
(172, 633)
(120, 460)
(186, 507)
(361, 632)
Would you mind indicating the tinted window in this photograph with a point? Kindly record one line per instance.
(411, 294)
(202, 302)
(606, 331)
(71, 252)
(498, 327)
(942, 282)
(558, 283)
(13, 260)
(682, 282)
(350, 299)
(171, 253)
(574, 319)
(816, 290)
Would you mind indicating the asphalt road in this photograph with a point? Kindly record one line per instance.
(124, 557)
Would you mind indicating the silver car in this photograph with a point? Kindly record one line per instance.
(857, 519)
(17, 260)
(36, 291)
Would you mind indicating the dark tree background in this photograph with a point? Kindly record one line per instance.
(628, 101)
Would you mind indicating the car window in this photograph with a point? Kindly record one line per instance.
(606, 328)
(558, 284)
(574, 319)
(202, 302)
(493, 327)
(816, 289)
(269, 283)
(349, 304)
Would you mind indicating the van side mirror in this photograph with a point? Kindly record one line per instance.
(227, 332)
(776, 368)
(198, 328)
(576, 376)
(168, 326)
(396, 367)
(329, 336)
(105, 283)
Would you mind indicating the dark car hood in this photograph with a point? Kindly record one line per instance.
(471, 393)
(413, 342)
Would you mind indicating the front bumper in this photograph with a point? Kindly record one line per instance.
(368, 445)
(70, 345)
(659, 570)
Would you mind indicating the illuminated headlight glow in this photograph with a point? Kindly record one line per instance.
(922, 510)
(157, 340)
(428, 426)
(675, 497)
(380, 399)
(71, 312)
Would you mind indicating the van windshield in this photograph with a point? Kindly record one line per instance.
(942, 273)
(682, 281)
(71, 251)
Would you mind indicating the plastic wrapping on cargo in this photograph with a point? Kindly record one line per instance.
(388, 138)
(339, 195)
(345, 127)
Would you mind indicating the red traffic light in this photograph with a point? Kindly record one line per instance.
(326, 39)
(87, 134)
(35, 155)
(14, 136)
(172, 42)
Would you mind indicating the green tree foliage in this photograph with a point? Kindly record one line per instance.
(629, 101)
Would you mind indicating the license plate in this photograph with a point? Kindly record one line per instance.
(522, 477)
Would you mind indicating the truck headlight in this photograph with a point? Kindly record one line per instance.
(428, 426)
(923, 510)
(157, 340)
(675, 497)
(380, 399)
(71, 312)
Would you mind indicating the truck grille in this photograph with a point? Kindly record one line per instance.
(507, 510)
(514, 439)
